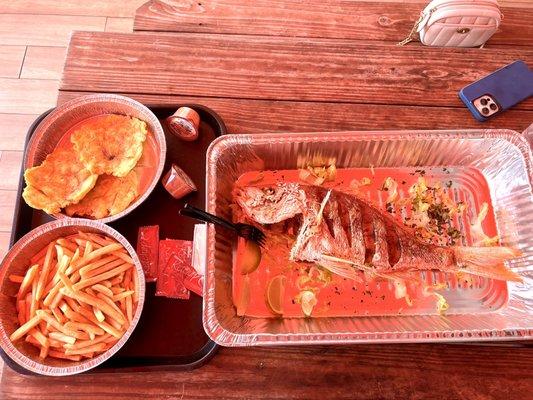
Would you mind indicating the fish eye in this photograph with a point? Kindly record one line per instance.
(268, 191)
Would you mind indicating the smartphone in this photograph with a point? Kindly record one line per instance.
(498, 91)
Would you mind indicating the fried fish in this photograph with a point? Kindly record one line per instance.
(110, 144)
(60, 180)
(346, 234)
(110, 196)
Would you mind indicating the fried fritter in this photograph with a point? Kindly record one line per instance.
(110, 144)
(59, 181)
(110, 196)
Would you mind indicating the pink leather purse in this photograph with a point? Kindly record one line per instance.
(457, 23)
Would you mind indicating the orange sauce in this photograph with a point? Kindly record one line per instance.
(341, 297)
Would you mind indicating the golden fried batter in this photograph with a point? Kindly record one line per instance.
(59, 181)
(110, 144)
(110, 196)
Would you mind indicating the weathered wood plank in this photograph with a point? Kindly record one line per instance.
(516, 3)
(4, 246)
(43, 62)
(27, 96)
(14, 129)
(11, 58)
(102, 8)
(257, 116)
(10, 165)
(384, 21)
(119, 25)
(7, 207)
(44, 30)
(401, 371)
(258, 67)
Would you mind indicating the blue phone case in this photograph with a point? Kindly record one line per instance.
(508, 86)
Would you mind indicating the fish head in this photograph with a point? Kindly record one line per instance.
(270, 204)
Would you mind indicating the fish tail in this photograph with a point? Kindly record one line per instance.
(487, 261)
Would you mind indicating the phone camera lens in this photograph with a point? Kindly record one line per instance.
(483, 102)
(485, 110)
(493, 107)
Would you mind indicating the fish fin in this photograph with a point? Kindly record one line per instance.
(408, 276)
(341, 270)
(345, 268)
(487, 261)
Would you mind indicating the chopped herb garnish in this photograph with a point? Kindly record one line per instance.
(440, 213)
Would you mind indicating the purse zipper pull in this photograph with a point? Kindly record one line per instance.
(419, 23)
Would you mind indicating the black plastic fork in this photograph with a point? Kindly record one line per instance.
(246, 231)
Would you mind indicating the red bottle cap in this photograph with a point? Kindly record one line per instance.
(184, 124)
(178, 183)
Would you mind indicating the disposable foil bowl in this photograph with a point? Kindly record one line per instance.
(17, 261)
(55, 125)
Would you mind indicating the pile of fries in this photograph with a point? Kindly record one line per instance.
(77, 298)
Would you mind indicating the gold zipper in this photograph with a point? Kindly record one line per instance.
(410, 36)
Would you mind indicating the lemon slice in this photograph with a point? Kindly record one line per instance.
(308, 301)
(275, 292)
(244, 298)
(248, 255)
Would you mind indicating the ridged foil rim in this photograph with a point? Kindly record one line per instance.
(10, 349)
(65, 108)
(224, 337)
(220, 143)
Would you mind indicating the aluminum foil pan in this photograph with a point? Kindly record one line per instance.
(499, 159)
(16, 262)
(54, 126)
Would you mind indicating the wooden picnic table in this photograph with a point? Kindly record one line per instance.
(288, 66)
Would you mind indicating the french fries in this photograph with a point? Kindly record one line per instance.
(77, 298)
(16, 278)
(98, 314)
(62, 337)
(45, 272)
(29, 325)
(27, 281)
(103, 289)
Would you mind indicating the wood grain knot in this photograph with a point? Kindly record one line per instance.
(383, 20)
(434, 73)
(182, 7)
